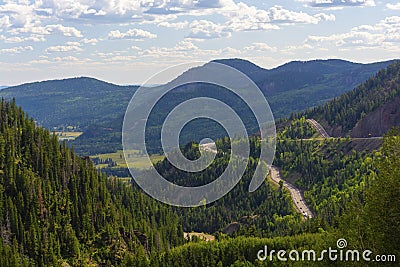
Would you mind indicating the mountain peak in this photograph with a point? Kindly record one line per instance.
(242, 65)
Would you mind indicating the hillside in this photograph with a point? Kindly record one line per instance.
(57, 210)
(71, 102)
(311, 83)
(371, 109)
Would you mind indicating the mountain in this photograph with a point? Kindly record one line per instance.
(3, 87)
(57, 210)
(97, 108)
(71, 102)
(371, 109)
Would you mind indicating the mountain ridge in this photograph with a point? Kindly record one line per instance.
(89, 103)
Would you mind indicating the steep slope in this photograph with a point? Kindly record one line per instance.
(76, 102)
(56, 209)
(371, 109)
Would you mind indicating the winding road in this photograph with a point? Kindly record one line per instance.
(319, 128)
(275, 175)
(297, 197)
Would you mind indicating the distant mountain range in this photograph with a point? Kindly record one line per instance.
(97, 107)
(77, 101)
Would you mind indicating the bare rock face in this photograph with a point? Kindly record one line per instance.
(231, 228)
(380, 121)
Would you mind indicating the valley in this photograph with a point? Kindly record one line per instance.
(335, 175)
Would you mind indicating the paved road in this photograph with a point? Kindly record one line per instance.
(297, 197)
(319, 128)
(324, 134)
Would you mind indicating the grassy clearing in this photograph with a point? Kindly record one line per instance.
(68, 135)
(136, 159)
(202, 236)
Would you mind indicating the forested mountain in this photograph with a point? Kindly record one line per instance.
(98, 107)
(56, 209)
(355, 196)
(311, 83)
(371, 109)
(352, 186)
(77, 102)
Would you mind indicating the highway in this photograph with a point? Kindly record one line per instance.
(319, 128)
(297, 197)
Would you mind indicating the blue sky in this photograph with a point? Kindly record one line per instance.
(126, 42)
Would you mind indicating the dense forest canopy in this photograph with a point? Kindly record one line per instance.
(56, 208)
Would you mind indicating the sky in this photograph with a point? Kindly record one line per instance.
(126, 42)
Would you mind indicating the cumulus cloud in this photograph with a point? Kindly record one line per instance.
(263, 47)
(17, 39)
(175, 25)
(160, 7)
(66, 59)
(204, 29)
(4, 22)
(384, 33)
(16, 50)
(92, 41)
(134, 34)
(184, 50)
(250, 18)
(48, 29)
(393, 6)
(68, 47)
(338, 3)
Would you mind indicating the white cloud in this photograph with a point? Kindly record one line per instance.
(17, 15)
(204, 29)
(68, 47)
(4, 22)
(66, 31)
(92, 41)
(175, 25)
(250, 18)
(263, 47)
(66, 59)
(338, 3)
(47, 30)
(133, 47)
(16, 50)
(393, 6)
(386, 33)
(17, 39)
(325, 17)
(134, 34)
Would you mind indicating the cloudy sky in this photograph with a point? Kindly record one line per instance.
(127, 41)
